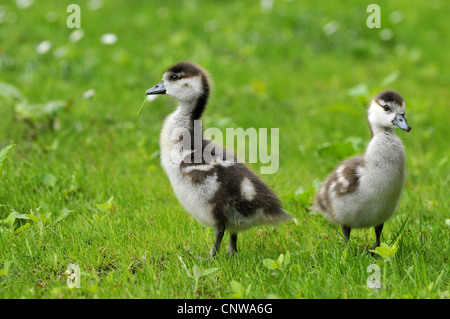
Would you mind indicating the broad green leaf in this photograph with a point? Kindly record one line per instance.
(35, 112)
(197, 272)
(385, 251)
(15, 215)
(209, 271)
(22, 228)
(48, 179)
(12, 217)
(3, 154)
(108, 205)
(31, 112)
(237, 288)
(32, 217)
(271, 264)
(287, 259)
(10, 93)
(280, 259)
(63, 214)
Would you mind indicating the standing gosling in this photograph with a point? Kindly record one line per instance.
(209, 181)
(364, 191)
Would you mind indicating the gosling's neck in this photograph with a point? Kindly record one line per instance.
(385, 150)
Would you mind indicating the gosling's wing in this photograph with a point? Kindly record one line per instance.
(342, 181)
(239, 189)
(348, 175)
(204, 162)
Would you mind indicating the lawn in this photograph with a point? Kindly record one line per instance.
(80, 179)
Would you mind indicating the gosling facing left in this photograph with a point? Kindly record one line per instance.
(217, 190)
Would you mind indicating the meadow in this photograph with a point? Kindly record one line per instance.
(80, 178)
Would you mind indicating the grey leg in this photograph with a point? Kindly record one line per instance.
(378, 230)
(232, 247)
(346, 231)
(219, 231)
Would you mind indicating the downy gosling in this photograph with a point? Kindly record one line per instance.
(364, 191)
(209, 181)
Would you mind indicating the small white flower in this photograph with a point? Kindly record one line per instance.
(108, 38)
(330, 28)
(395, 16)
(43, 47)
(386, 34)
(266, 5)
(94, 5)
(76, 35)
(23, 4)
(88, 94)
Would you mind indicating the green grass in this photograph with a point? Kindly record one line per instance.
(88, 174)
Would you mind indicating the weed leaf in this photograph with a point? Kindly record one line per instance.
(238, 289)
(48, 179)
(22, 228)
(197, 272)
(3, 153)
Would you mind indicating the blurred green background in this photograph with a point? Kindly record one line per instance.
(87, 166)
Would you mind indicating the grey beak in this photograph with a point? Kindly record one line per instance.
(400, 122)
(157, 89)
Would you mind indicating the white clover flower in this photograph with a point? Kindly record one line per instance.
(108, 38)
(330, 28)
(94, 5)
(43, 47)
(88, 94)
(386, 34)
(23, 4)
(76, 35)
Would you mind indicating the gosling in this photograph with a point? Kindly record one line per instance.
(209, 181)
(364, 191)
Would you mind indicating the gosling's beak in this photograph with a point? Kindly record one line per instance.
(157, 89)
(400, 122)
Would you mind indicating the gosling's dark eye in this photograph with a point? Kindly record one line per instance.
(174, 77)
(386, 108)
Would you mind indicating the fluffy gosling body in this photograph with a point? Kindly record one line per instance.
(209, 181)
(364, 191)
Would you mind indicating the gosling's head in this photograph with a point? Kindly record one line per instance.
(387, 111)
(188, 83)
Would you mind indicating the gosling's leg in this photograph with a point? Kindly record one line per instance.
(219, 231)
(232, 249)
(378, 230)
(346, 231)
